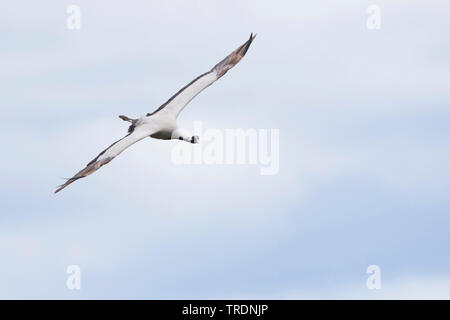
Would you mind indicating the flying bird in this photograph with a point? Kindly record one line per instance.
(162, 123)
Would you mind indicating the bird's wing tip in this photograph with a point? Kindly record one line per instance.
(62, 186)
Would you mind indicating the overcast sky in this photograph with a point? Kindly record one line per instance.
(363, 117)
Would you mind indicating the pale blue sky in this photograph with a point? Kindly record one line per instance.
(364, 150)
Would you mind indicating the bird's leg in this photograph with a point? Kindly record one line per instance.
(125, 118)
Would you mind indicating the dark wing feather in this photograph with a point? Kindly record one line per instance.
(179, 100)
(107, 155)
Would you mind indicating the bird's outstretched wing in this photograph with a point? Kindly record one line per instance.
(108, 154)
(179, 100)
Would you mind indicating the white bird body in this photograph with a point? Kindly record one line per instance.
(162, 123)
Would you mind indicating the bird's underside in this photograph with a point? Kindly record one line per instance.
(162, 123)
